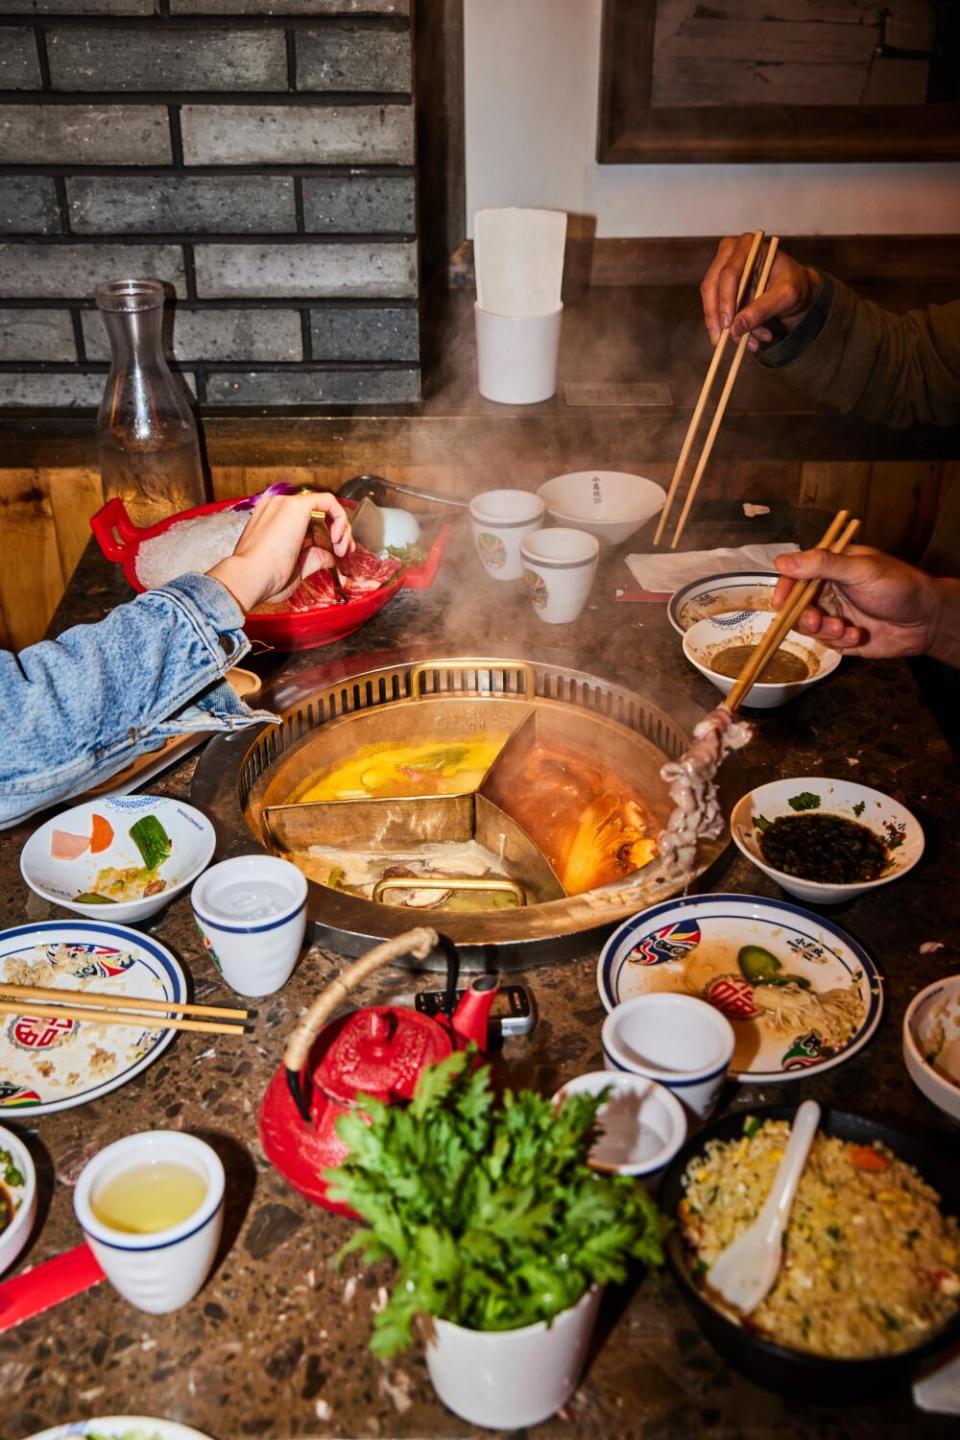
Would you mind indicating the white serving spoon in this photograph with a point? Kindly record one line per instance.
(746, 1271)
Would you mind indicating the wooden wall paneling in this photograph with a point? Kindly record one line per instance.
(902, 505)
(75, 495)
(31, 578)
(835, 485)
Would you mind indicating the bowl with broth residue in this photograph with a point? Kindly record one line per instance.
(720, 645)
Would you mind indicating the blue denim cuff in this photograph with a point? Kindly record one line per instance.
(797, 340)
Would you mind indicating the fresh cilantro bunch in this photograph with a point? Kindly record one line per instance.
(489, 1207)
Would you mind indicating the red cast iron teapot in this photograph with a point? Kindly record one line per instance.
(378, 1051)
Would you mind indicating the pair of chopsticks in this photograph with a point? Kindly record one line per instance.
(836, 538)
(725, 394)
(120, 1010)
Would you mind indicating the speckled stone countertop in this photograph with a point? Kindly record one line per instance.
(275, 1344)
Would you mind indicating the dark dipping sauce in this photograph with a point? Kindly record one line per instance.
(783, 668)
(825, 848)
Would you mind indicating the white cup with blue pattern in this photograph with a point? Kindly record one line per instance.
(156, 1270)
(251, 912)
(677, 1040)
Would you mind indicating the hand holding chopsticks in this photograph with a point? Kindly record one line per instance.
(836, 539)
(84, 1005)
(725, 394)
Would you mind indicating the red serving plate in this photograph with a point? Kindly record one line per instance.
(120, 540)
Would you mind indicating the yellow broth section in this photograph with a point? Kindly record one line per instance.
(386, 770)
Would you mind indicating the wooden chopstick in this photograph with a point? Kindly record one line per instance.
(801, 595)
(61, 996)
(705, 389)
(725, 394)
(117, 1017)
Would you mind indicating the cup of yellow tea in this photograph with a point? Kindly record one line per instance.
(151, 1208)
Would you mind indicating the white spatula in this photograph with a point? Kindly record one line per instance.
(746, 1271)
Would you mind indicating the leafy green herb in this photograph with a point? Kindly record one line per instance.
(859, 808)
(806, 800)
(751, 1125)
(761, 823)
(702, 1267)
(890, 1322)
(12, 1174)
(488, 1207)
(834, 1232)
(894, 834)
(407, 554)
(151, 840)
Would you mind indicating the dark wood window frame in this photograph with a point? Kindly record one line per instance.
(631, 131)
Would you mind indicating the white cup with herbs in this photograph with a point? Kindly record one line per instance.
(505, 1302)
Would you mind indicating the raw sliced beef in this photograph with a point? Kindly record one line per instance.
(362, 573)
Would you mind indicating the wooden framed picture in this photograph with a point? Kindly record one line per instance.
(779, 80)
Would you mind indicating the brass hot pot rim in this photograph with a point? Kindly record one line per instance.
(231, 765)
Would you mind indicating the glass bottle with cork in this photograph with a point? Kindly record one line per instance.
(146, 433)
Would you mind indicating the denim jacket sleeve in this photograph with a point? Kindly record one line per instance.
(78, 708)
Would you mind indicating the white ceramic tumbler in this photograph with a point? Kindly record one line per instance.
(559, 566)
(252, 914)
(162, 1270)
(508, 1379)
(517, 355)
(501, 520)
(681, 1042)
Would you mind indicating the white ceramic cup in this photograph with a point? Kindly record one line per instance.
(252, 914)
(507, 1379)
(642, 1124)
(501, 520)
(163, 1270)
(559, 567)
(681, 1042)
(517, 355)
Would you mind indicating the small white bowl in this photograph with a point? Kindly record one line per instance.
(161, 1270)
(681, 1042)
(193, 843)
(837, 797)
(933, 1064)
(736, 592)
(607, 503)
(24, 1198)
(642, 1124)
(708, 637)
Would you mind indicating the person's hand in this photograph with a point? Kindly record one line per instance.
(790, 289)
(278, 548)
(871, 605)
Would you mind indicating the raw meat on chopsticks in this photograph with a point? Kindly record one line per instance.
(361, 571)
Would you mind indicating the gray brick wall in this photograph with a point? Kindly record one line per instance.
(28, 205)
(258, 155)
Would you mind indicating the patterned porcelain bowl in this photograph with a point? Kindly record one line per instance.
(744, 590)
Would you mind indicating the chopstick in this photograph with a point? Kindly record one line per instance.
(117, 1002)
(801, 595)
(117, 1017)
(338, 585)
(705, 389)
(725, 394)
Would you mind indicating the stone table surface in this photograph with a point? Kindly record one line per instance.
(275, 1344)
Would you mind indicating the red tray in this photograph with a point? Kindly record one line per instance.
(120, 540)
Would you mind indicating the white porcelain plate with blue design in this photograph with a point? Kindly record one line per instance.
(801, 994)
(49, 1062)
(121, 1427)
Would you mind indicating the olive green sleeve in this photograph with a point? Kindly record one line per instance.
(898, 370)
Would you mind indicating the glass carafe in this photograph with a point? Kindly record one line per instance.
(146, 434)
